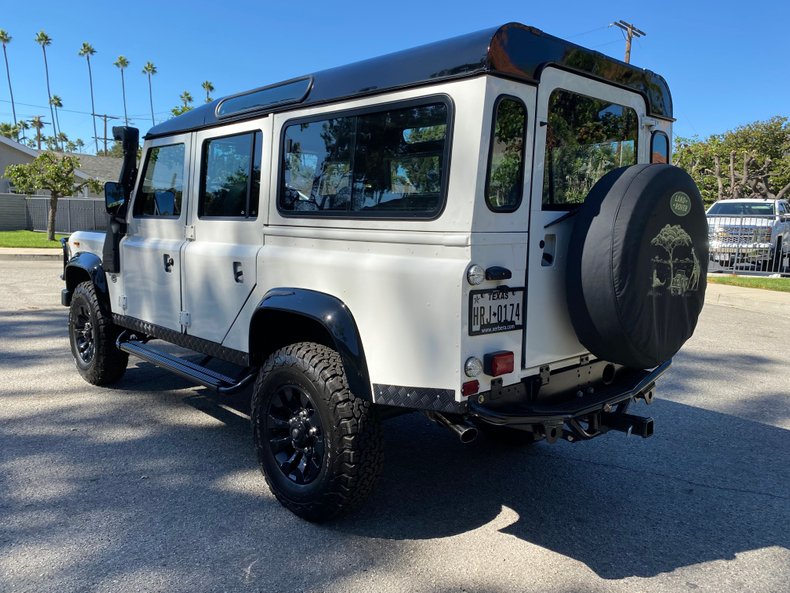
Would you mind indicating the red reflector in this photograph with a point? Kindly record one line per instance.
(470, 388)
(498, 363)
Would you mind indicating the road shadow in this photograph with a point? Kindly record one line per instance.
(710, 486)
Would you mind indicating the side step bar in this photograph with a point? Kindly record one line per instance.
(185, 368)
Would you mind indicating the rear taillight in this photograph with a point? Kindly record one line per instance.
(498, 363)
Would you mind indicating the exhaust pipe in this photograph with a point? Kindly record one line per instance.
(628, 423)
(465, 432)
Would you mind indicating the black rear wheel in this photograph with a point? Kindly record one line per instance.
(319, 446)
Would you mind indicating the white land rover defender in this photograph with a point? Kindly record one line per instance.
(484, 229)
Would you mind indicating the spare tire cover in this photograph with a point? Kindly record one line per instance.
(637, 265)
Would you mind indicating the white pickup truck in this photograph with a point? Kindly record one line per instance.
(749, 232)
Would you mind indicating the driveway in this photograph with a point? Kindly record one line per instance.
(153, 485)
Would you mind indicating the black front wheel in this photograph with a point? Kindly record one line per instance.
(319, 446)
(92, 335)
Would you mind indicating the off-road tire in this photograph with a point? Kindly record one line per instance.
(349, 433)
(92, 336)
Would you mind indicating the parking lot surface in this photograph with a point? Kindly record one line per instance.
(153, 485)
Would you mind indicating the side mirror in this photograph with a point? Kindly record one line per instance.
(114, 196)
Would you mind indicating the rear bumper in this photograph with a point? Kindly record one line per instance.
(583, 416)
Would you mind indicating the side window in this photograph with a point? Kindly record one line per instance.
(230, 176)
(585, 139)
(384, 163)
(162, 188)
(659, 148)
(505, 178)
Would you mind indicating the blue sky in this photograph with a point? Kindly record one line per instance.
(726, 62)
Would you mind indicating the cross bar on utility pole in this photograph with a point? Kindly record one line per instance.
(630, 32)
(105, 117)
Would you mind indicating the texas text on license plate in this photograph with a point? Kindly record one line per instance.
(496, 310)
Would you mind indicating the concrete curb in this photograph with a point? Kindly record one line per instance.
(23, 254)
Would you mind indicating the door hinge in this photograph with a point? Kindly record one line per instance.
(122, 302)
(184, 318)
(648, 122)
(189, 232)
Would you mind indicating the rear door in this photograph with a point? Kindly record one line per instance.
(584, 129)
(225, 230)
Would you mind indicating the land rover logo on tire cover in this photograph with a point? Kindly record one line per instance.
(680, 203)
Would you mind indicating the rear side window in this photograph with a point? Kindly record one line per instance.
(390, 163)
(162, 188)
(585, 139)
(659, 148)
(505, 178)
(230, 176)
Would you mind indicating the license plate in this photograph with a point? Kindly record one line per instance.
(496, 310)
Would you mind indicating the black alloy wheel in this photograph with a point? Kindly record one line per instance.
(296, 438)
(83, 334)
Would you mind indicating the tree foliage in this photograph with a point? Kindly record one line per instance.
(51, 173)
(752, 161)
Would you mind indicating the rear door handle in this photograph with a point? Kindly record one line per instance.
(238, 272)
(168, 261)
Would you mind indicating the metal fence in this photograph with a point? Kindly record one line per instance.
(751, 244)
(73, 214)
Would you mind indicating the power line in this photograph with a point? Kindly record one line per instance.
(136, 116)
(587, 32)
(630, 31)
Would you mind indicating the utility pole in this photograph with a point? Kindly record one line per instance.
(630, 32)
(105, 117)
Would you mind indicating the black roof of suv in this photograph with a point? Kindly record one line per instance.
(512, 51)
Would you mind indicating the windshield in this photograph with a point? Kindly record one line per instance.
(741, 209)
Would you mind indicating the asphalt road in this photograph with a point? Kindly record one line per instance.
(153, 485)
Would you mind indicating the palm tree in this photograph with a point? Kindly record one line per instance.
(5, 39)
(23, 126)
(208, 87)
(87, 51)
(44, 40)
(56, 102)
(71, 146)
(9, 130)
(38, 124)
(122, 63)
(79, 144)
(150, 70)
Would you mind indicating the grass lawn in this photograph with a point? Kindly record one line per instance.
(28, 239)
(781, 284)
